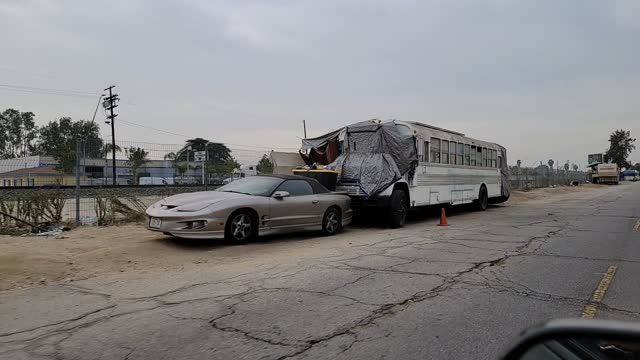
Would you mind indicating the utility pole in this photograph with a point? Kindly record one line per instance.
(304, 126)
(110, 103)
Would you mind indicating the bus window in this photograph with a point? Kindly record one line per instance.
(435, 150)
(452, 152)
(467, 155)
(473, 155)
(500, 162)
(494, 158)
(425, 151)
(484, 157)
(460, 154)
(445, 151)
(479, 156)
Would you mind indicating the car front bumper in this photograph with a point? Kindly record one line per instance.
(181, 225)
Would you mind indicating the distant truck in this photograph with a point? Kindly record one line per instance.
(242, 172)
(630, 175)
(605, 173)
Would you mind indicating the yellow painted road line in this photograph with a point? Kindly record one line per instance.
(589, 310)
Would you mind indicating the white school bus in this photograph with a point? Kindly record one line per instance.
(449, 168)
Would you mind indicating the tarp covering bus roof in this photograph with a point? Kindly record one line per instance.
(374, 154)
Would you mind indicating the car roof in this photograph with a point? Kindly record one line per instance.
(287, 177)
(317, 187)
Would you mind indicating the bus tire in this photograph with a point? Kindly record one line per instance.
(483, 199)
(398, 207)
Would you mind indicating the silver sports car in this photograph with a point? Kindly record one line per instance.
(241, 209)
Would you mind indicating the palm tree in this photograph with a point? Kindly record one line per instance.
(108, 148)
(181, 169)
(137, 158)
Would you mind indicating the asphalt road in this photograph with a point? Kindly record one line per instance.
(421, 292)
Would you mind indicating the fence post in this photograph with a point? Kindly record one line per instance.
(77, 192)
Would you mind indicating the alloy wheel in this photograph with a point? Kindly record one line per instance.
(241, 227)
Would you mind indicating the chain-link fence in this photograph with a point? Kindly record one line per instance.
(84, 185)
(522, 178)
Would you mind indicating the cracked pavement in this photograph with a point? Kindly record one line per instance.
(420, 292)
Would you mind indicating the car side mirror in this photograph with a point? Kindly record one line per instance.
(578, 339)
(280, 194)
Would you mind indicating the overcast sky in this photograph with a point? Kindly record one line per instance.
(545, 78)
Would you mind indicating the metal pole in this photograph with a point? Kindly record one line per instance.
(304, 126)
(77, 183)
(113, 137)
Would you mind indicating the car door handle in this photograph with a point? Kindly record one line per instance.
(315, 201)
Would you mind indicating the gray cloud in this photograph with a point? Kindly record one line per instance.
(544, 78)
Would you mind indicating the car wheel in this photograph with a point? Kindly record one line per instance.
(332, 222)
(398, 209)
(241, 227)
(483, 199)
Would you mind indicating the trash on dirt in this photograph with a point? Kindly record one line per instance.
(89, 220)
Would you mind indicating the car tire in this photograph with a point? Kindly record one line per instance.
(483, 199)
(331, 222)
(398, 208)
(241, 227)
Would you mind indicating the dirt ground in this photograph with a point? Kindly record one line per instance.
(85, 252)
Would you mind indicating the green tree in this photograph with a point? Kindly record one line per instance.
(575, 167)
(265, 166)
(181, 169)
(59, 139)
(219, 158)
(636, 167)
(226, 167)
(137, 158)
(216, 153)
(107, 150)
(17, 132)
(620, 147)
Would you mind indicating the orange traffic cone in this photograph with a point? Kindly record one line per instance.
(443, 218)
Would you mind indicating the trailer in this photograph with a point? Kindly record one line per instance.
(605, 173)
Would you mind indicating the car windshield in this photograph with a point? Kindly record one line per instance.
(254, 185)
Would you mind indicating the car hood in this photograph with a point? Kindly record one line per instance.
(197, 200)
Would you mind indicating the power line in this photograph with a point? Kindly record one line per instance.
(48, 89)
(47, 93)
(193, 137)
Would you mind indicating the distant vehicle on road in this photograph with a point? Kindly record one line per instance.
(156, 180)
(397, 165)
(240, 210)
(630, 175)
(605, 173)
(242, 172)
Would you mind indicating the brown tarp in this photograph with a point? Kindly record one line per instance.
(323, 155)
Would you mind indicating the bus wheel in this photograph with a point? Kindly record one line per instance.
(398, 209)
(483, 199)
